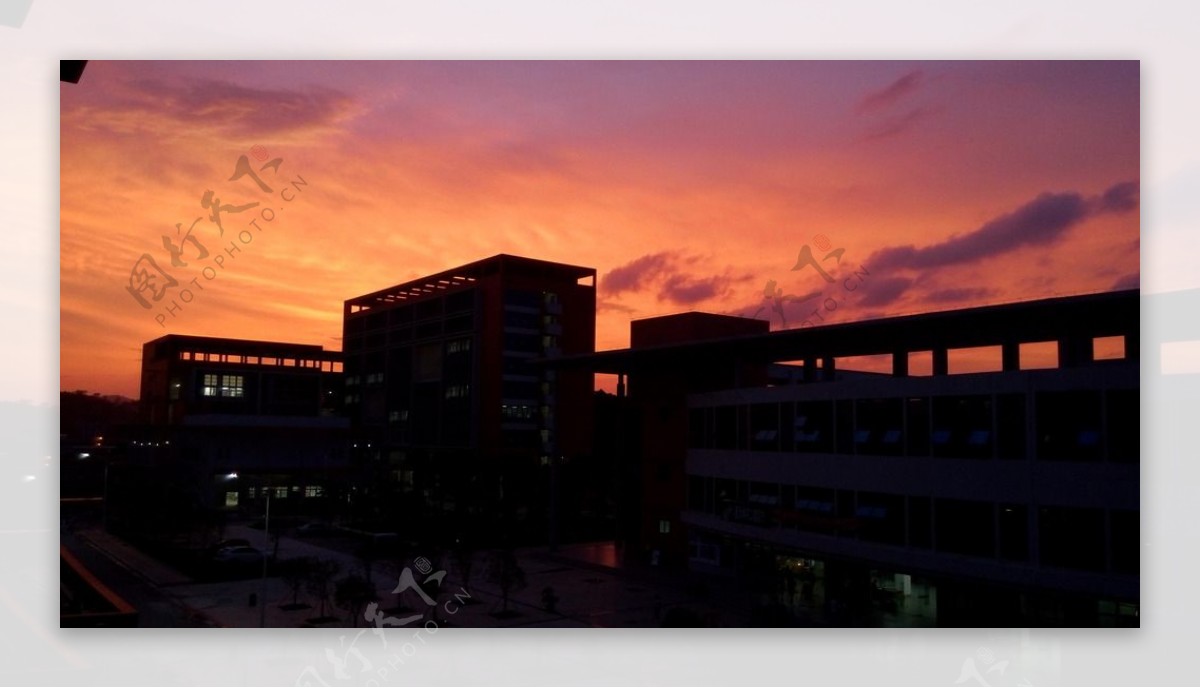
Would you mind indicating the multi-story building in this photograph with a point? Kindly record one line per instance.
(225, 420)
(462, 430)
(982, 467)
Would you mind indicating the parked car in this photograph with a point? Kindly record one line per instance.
(238, 555)
(226, 544)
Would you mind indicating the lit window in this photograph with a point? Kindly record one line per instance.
(281, 492)
(210, 386)
(231, 499)
(458, 346)
(231, 386)
(664, 526)
(457, 391)
(313, 491)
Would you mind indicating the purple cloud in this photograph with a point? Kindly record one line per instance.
(959, 294)
(666, 270)
(1042, 221)
(687, 290)
(881, 291)
(637, 273)
(229, 107)
(1130, 281)
(1120, 198)
(877, 100)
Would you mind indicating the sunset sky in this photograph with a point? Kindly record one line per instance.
(687, 185)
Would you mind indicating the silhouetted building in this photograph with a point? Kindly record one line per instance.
(225, 420)
(1004, 497)
(450, 414)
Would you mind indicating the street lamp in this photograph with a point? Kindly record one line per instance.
(262, 588)
(262, 592)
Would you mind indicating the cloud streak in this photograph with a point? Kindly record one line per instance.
(663, 273)
(220, 107)
(1040, 222)
(893, 92)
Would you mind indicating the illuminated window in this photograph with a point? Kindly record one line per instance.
(231, 386)
(280, 492)
(313, 491)
(210, 386)
(458, 346)
(457, 391)
(231, 499)
(664, 527)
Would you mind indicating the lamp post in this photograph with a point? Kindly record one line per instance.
(262, 587)
(262, 593)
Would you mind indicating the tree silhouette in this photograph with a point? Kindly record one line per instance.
(354, 593)
(506, 573)
(295, 572)
(320, 581)
(464, 560)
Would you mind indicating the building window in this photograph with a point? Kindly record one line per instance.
(516, 411)
(314, 491)
(458, 346)
(210, 386)
(664, 526)
(250, 492)
(231, 499)
(173, 393)
(457, 391)
(232, 386)
(281, 492)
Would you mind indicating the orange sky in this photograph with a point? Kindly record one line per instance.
(687, 185)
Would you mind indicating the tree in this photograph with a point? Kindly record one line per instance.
(464, 560)
(354, 593)
(320, 580)
(506, 573)
(295, 572)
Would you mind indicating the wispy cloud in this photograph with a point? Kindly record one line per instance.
(893, 92)
(667, 275)
(636, 274)
(885, 290)
(1040, 222)
(1131, 281)
(956, 294)
(217, 107)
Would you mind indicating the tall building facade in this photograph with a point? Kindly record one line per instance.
(458, 426)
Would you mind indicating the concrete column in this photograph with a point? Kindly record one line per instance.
(941, 361)
(1010, 356)
(1074, 351)
(1133, 346)
(900, 363)
(810, 370)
